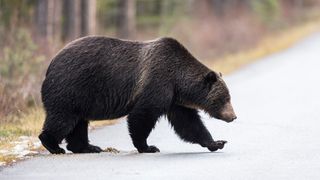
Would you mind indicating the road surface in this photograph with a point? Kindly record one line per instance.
(276, 135)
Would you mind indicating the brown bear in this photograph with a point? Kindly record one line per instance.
(96, 78)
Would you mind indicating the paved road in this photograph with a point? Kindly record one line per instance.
(276, 135)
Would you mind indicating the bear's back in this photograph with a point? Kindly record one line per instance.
(95, 51)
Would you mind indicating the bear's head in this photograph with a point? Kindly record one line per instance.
(210, 93)
(217, 102)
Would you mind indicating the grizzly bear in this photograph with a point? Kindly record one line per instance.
(97, 78)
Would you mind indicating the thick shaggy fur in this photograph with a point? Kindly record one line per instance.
(95, 78)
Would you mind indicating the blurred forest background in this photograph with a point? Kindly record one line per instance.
(32, 31)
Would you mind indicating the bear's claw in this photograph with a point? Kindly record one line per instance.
(55, 151)
(149, 149)
(215, 145)
(91, 149)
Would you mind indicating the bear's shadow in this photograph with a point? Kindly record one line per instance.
(176, 154)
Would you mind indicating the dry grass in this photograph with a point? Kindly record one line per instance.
(8, 158)
(28, 124)
(271, 44)
(111, 150)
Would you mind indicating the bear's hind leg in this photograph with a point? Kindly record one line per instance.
(50, 143)
(78, 141)
(55, 129)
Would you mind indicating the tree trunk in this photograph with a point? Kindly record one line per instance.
(57, 19)
(48, 19)
(41, 16)
(126, 18)
(72, 23)
(88, 16)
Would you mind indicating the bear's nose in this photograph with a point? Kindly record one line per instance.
(235, 117)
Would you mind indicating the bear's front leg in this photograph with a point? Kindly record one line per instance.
(140, 124)
(188, 125)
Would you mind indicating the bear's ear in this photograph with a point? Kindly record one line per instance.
(210, 78)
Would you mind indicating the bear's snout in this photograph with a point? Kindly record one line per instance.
(227, 113)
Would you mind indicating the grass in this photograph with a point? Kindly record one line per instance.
(30, 123)
(27, 124)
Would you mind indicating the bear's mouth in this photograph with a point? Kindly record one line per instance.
(220, 117)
